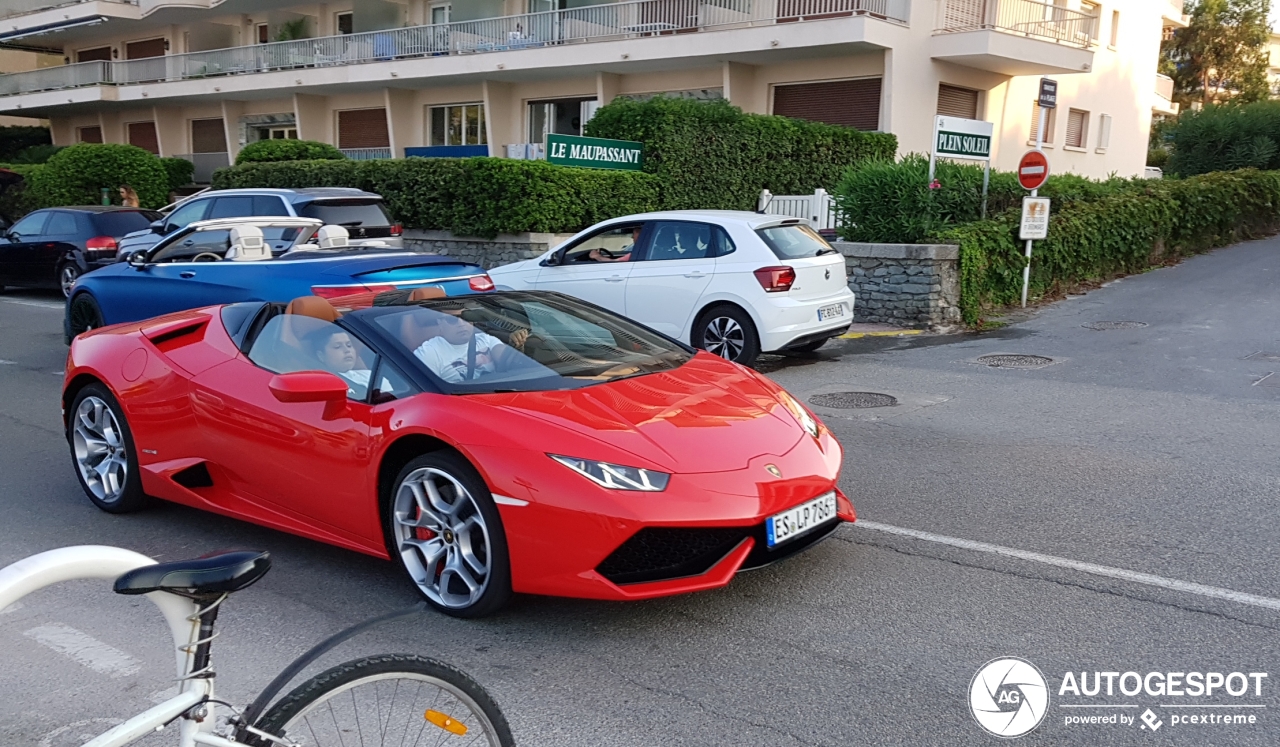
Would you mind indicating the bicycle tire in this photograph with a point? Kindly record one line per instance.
(288, 718)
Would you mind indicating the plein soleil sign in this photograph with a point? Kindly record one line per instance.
(962, 138)
(594, 152)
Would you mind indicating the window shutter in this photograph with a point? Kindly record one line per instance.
(957, 102)
(143, 135)
(852, 103)
(1104, 132)
(143, 49)
(90, 134)
(1035, 123)
(94, 55)
(363, 128)
(1077, 128)
(208, 136)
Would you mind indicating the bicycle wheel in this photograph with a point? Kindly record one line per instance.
(391, 699)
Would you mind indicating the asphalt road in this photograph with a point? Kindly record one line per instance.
(1148, 453)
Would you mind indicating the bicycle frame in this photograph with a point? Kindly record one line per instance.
(101, 562)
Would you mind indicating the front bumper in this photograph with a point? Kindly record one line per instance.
(593, 543)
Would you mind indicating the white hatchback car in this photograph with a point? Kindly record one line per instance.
(733, 283)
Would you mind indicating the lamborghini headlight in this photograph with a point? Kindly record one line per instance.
(616, 476)
(800, 413)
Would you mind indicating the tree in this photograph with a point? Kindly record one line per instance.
(1222, 55)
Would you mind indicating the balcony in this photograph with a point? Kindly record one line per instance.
(552, 29)
(1014, 37)
(1164, 97)
(1173, 16)
(366, 154)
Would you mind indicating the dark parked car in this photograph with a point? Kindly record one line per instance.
(51, 248)
(361, 213)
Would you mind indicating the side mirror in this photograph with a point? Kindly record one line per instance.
(308, 386)
(157, 226)
(138, 260)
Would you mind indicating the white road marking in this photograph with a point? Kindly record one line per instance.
(85, 649)
(37, 304)
(1172, 584)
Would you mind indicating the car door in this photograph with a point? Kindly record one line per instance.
(586, 270)
(58, 242)
(671, 274)
(307, 461)
(186, 214)
(172, 282)
(17, 266)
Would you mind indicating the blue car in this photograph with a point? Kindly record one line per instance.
(254, 259)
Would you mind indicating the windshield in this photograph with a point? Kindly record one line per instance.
(794, 241)
(523, 342)
(349, 213)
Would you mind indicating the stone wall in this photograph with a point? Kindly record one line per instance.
(909, 285)
(488, 253)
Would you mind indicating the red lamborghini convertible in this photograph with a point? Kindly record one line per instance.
(517, 441)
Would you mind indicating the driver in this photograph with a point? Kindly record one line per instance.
(598, 256)
(463, 353)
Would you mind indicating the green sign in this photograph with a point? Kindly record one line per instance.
(594, 152)
(963, 145)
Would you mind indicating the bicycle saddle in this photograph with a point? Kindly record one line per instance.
(215, 574)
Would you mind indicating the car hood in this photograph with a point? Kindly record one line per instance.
(708, 415)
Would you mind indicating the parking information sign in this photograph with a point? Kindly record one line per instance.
(1048, 93)
(594, 152)
(962, 138)
(1035, 218)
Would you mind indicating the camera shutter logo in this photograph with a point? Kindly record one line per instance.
(1008, 697)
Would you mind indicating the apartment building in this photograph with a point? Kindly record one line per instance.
(380, 78)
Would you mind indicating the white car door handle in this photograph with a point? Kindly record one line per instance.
(614, 279)
(695, 274)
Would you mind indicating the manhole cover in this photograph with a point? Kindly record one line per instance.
(853, 400)
(1113, 325)
(1015, 361)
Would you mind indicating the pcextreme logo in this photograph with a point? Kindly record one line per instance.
(1009, 697)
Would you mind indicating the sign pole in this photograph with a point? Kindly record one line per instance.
(1026, 270)
(986, 187)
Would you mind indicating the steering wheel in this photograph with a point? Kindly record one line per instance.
(206, 257)
(607, 253)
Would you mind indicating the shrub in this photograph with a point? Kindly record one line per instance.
(1158, 158)
(1226, 137)
(16, 201)
(469, 196)
(76, 175)
(1124, 232)
(288, 150)
(180, 172)
(710, 155)
(35, 154)
(14, 140)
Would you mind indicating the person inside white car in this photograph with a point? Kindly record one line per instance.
(598, 255)
(460, 352)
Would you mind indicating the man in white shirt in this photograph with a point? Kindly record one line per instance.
(463, 353)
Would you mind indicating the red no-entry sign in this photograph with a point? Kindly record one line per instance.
(1033, 170)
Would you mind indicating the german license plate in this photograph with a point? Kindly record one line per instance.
(830, 312)
(796, 521)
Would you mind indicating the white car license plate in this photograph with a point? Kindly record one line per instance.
(796, 521)
(830, 312)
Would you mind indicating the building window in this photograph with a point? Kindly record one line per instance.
(363, 128)
(281, 133)
(1077, 128)
(559, 117)
(1115, 27)
(141, 50)
(457, 124)
(440, 13)
(89, 134)
(957, 102)
(208, 136)
(345, 23)
(852, 103)
(143, 135)
(94, 55)
(1050, 126)
(264, 33)
(1104, 133)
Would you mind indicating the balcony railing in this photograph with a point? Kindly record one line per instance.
(366, 154)
(625, 20)
(1164, 87)
(206, 164)
(1032, 18)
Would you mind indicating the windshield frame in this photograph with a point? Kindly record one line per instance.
(364, 323)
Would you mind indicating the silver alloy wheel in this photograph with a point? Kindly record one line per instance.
(100, 450)
(67, 279)
(451, 565)
(724, 337)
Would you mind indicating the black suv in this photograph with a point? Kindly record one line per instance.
(360, 212)
(51, 248)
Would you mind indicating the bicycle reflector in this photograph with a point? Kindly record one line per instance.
(446, 722)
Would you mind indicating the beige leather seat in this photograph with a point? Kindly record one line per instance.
(247, 245)
(333, 237)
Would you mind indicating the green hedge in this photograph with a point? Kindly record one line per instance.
(14, 140)
(288, 150)
(76, 175)
(469, 196)
(891, 202)
(1123, 233)
(1226, 137)
(710, 155)
(179, 170)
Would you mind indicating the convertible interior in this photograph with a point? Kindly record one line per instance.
(250, 243)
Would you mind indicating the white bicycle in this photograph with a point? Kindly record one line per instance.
(400, 699)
